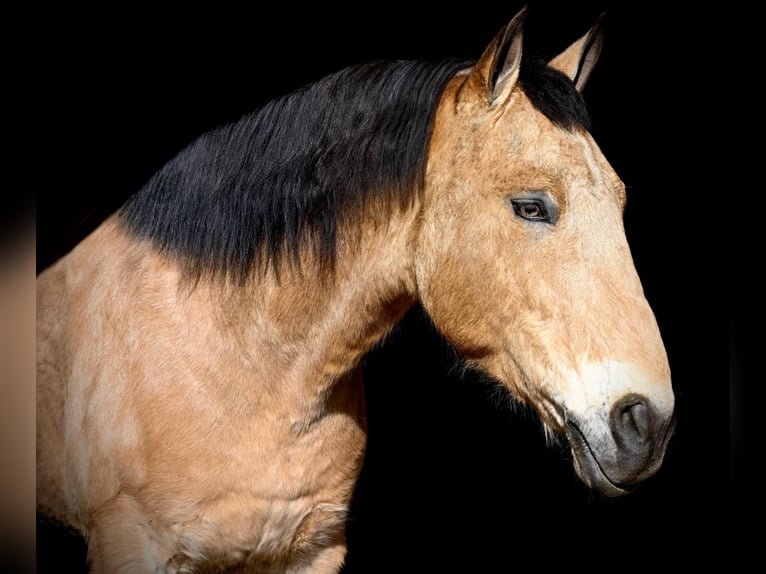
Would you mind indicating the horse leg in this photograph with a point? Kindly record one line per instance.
(320, 542)
(120, 540)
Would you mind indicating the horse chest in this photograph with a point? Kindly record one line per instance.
(260, 507)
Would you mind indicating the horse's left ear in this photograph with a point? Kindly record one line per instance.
(578, 60)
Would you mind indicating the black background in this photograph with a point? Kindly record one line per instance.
(455, 478)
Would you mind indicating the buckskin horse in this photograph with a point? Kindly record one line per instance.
(199, 398)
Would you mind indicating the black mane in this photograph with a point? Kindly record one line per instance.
(253, 192)
(256, 190)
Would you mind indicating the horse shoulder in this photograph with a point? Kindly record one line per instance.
(50, 393)
(79, 392)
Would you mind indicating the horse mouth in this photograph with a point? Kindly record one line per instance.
(589, 470)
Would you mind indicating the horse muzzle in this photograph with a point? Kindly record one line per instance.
(615, 451)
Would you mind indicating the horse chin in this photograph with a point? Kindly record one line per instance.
(588, 468)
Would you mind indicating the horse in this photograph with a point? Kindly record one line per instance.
(200, 405)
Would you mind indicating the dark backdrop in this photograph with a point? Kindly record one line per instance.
(455, 479)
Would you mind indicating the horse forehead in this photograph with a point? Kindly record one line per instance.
(567, 154)
(523, 139)
(535, 138)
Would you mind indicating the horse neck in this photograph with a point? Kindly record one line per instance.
(315, 327)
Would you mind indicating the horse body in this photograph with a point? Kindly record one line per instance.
(274, 388)
(188, 421)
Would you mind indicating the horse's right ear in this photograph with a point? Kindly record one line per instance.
(498, 68)
(578, 60)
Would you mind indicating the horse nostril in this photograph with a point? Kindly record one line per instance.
(632, 423)
(635, 418)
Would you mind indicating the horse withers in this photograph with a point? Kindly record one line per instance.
(199, 398)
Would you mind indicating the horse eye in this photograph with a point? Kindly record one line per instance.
(531, 210)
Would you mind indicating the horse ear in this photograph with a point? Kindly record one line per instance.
(498, 67)
(578, 60)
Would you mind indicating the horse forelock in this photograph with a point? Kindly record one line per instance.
(553, 94)
(258, 191)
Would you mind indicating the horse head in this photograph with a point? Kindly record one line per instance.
(523, 263)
